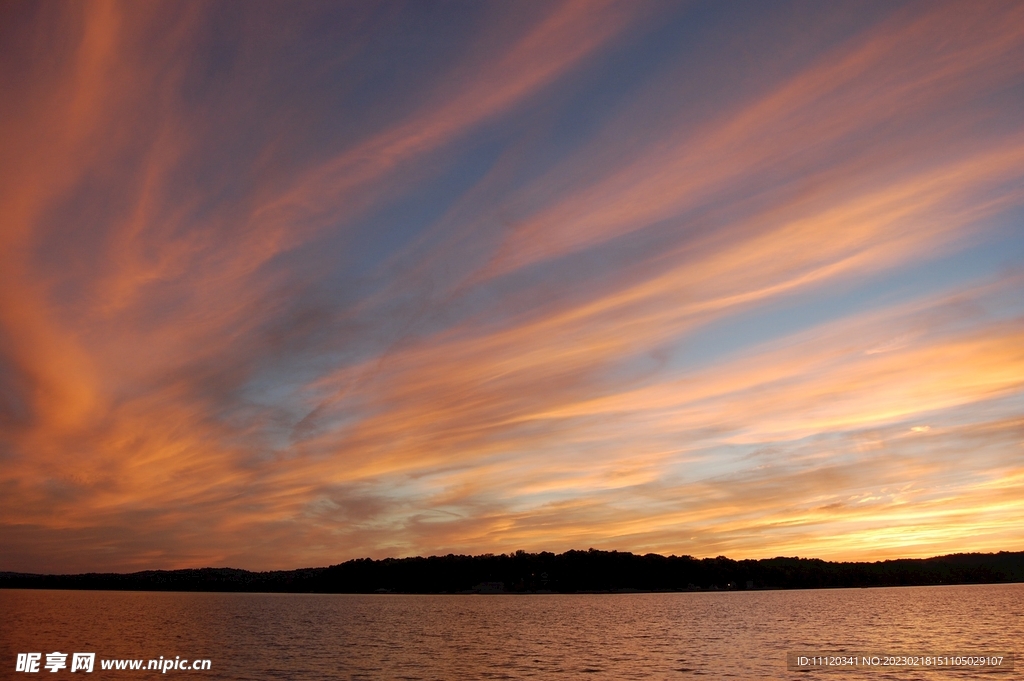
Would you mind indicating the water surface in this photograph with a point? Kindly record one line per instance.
(736, 635)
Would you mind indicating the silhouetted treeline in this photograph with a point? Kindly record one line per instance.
(573, 571)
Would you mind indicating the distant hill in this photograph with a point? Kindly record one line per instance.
(573, 571)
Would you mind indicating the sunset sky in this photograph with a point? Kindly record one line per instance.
(285, 284)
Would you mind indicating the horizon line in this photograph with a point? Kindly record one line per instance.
(517, 552)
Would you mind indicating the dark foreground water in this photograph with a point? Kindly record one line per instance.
(742, 635)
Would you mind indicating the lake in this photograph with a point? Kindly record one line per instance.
(736, 634)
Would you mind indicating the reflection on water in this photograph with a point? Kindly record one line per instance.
(741, 635)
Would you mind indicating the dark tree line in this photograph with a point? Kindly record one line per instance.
(573, 571)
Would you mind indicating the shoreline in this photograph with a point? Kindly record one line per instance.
(589, 571)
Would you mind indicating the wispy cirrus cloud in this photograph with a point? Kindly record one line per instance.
(909, 67)
(281, 289)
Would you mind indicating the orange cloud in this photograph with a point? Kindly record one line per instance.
(908, 66)
(224, 339)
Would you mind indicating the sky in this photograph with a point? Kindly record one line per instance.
(287, 284)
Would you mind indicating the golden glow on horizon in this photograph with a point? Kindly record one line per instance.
(222, 341)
